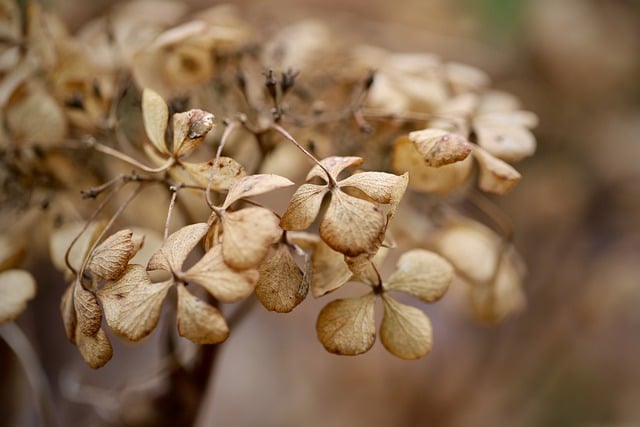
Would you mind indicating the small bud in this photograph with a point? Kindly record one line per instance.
(288, 79)
(271, 84)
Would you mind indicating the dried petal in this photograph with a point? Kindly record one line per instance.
(227, 173)
(220, 280)
(352, 226)
(303, 207)
(405, 331)
(329, 270)
(281, 286)
(189, 130)
(199, 321)
(508, 143)
(334, 166)
(87, 309)
(365, 267)
(464, 78)
(254, 185)
(109, 260)
(95, 349)
(11, 252)
(155, 114)
(175, 250)
(421, 273)
(61, 239)
(443, 179)
(248, 234)
(68, 312)
(16, 288)
(346, 326)
(439, 147)
(132, 304)
(496, 176)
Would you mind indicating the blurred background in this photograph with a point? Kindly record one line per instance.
(572, 358)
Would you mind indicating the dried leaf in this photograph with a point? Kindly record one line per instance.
(303, 207)
(61, 239)
(227, 173)
(439, 147)
(346, 326)
(68, 312)
(199, 321)
(155, 115)
(443, 179)
(132, 304)
(405, 330)
(248, 234)
(109, 260)
(95, 349)
(220, 280)
(421, 273)
(352, 226)
(281, 286)
(330, 271)
(16, 288)
(254, 185)
(88, 313)
(334, 166)
(496, 176)
(175, 250)
(189, 130)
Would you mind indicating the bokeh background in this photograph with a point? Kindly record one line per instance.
(572, 358)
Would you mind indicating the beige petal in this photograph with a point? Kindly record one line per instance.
(189, 130)
(248, 234)
(95, 349)
(198, 321)
(464, 78)
(61, 239)
(281, 286)
(421, 273)
(472, 249)
(132, 304)
(406, 158)
(175, 250)
(155, 114)
(254, 185)
(352, 226)
(365, 267)
(227, 173)
(347, 326)
(495, 176)
(508, 143)
(405, 330)
(109, 260)
(16, 288)
(303, 207)
(334, 166)
(439, 147)
(517, 118)
(88, 311)
(220, 280)
(12, 252)
(329, 270)
(68, 312)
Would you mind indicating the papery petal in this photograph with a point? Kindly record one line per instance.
(303, 207)
(95, 349)
(421, 273)
(495, 176)
(175, 250)
(198, 321)
(334, 166)
(227, 173)
(155, 115)
(189, 130)
(254, 185)
(110, 258)
(329, 270)
(439, 147)
(281, 286)
(405, 330)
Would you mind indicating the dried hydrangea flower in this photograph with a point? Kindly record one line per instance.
(347, 326)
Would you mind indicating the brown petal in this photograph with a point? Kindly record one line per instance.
(508, 143)
(281, 286)
(16, 288)
(352, 226)
(406, 158)
(421, 273)
(254, 185)
(227, 173)
(220, 280)
(329, 270)
(334, 166)
(87, 309)
(189, 130)
(61, 239)
(496, 176)
(199, 321)
(405, 330)
(365, 266)
(347, 326)
(132, 304)
(68, 312)
(303, 207)
(248, 234)
(95, 349)
(155, 115)
(109, 260)
(175, 250)
(439, 147)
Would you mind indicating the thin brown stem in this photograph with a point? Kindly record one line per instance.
(172, 204)
(128, 159)
(231, 127)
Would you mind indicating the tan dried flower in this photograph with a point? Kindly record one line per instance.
(347, 326)
(350, 225)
